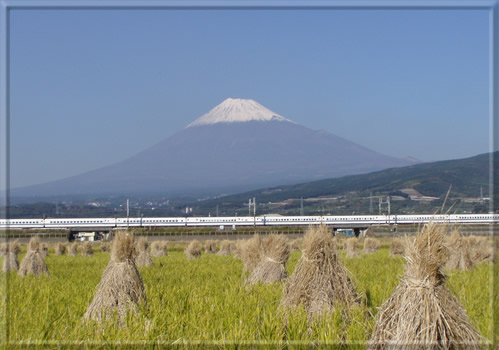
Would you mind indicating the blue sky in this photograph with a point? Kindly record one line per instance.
(92, 87)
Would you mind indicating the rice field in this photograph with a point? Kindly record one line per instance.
(206, 301)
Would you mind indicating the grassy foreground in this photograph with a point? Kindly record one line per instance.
(206, 302)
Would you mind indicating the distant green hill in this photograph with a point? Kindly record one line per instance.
(467, 177)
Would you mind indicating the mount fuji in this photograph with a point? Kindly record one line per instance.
(239, 145)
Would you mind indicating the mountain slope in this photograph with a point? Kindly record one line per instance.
(238, 145)
(466, 176)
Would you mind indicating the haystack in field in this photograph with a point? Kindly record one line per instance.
(193, 250)
(11, 263)
(4, 248)
(210, 246)
(421, 313)
(120, 289)
(159, 248)
(73, 249)
(237, 249)
(480, 249)
(60, 249)
(397, 247)
(143, 256)
(319, 281)
(225, 248)
(87, 249)
(272, 266)
(251, 252)
(44, 250)
(33, 262)
(371, 245)
(459, 252)
(105, 247)
(350, 247)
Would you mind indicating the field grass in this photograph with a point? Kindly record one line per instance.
(205, 301)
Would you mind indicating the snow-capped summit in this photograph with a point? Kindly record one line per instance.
(235, 110)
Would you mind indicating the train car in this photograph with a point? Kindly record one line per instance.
(141, 222)
(224, 221)
(358, 220)
(21, 223)
(292, 220)
(79, 222)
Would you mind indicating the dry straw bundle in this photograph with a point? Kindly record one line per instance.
(105, 247)
(60, 249)
(4, 248)
(73, 249)
(120, 289)
(33, 262)
(251, 252)
(397, 247)
(193, 250)
(350, 247)
(371, 245)
(11, 263)
(421, 313)
(237, 249)
(319, 281)
(87, 249)
(459, 252)
(272, 267)
(159, 248)
(210, 246)
(225, 248)
(143, 257)
(480, 249)
(44, 250)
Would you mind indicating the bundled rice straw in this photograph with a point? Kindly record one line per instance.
(143, 258)
(251, 252)
(272, 267)
(120, 289)
(237, 249)
(319, 281)
(421, 313)
(193, 250)
(397, 247)
(105, 247)
(11, 263)
(159, 248)
(350, 247)
(44, 250)
(73, 249)
(480, 249)
(87, 249)
(210, 247)
(60, 249)
(371, 245)
(459, 252)
(4, 248)
(33, 262)
(225, 248)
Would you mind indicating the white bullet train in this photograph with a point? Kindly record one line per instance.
(263, 220)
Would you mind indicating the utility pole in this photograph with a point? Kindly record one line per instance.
(217, 210)
(370, 202)
(254, 206)
(301, 206)
(127, 213)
